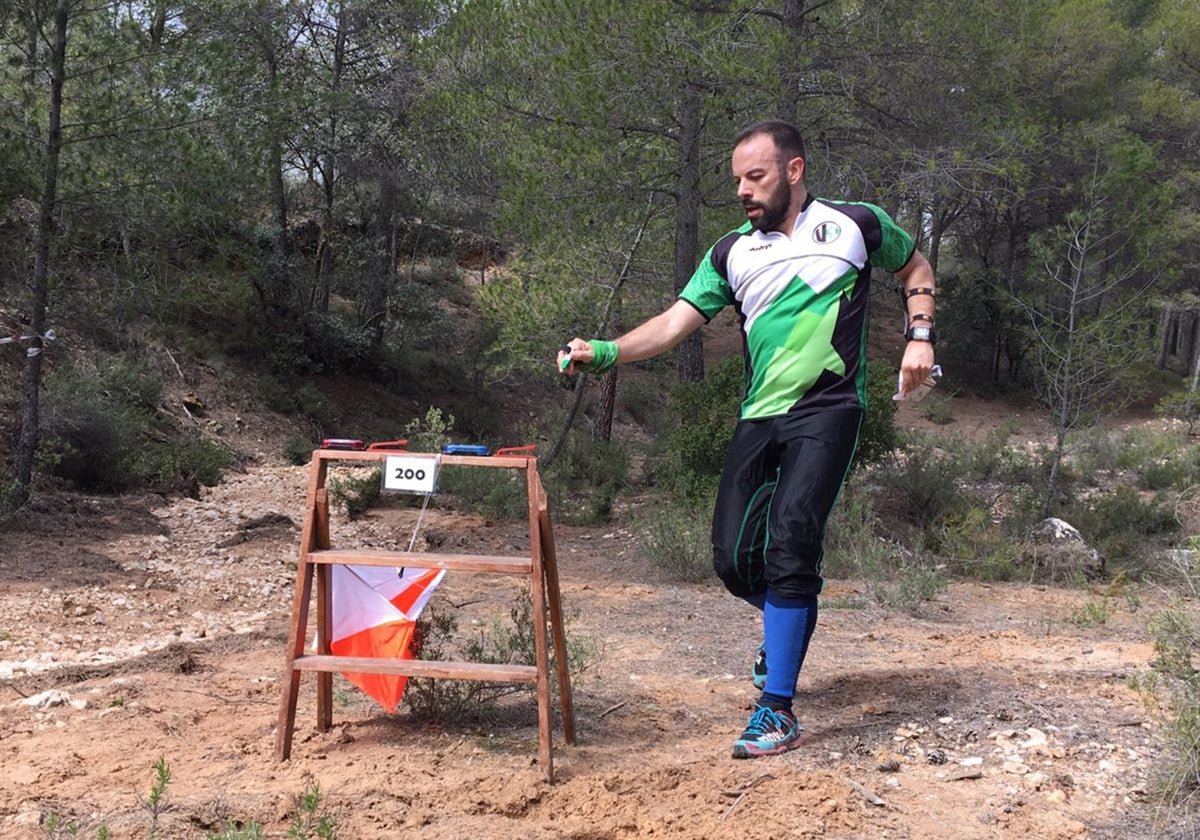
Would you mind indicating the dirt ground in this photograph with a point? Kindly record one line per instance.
(138, 628)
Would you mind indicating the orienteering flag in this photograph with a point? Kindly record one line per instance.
(374, 612)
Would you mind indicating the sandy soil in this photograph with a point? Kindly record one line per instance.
(133, 629)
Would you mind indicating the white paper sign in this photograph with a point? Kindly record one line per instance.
(407, 474)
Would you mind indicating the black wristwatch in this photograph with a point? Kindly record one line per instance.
(920, 333)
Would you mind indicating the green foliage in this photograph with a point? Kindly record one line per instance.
(436, 638)
(298, 450)
(155, 802)
(924, 480)
(878, 437)
(1182, 405)
(430, 433)
(853, 549)
(976, 547)
(586, 479)
(1121, 523)
(534, 307)
(101, 430)
(707, 412)
(312, 821)
(55, 826)
(249, 830)
(358, 492)
(677, 539)
(492, 493)
(938, 408)
(293, 395)
(642, 402)
(1091, 613)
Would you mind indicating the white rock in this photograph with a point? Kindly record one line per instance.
(47, 699)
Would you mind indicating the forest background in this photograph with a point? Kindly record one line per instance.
(379, 219)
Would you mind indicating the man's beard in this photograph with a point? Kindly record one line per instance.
(774, 209)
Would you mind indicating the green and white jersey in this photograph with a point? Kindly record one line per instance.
(803, 302)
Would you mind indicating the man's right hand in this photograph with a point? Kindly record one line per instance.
(577, 350)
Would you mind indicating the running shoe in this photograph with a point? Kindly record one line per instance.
(769, 732)
(759, 671)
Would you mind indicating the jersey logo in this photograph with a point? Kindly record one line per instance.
(826, 232)
(761, 247)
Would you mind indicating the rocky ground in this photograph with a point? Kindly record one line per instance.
(138, 629)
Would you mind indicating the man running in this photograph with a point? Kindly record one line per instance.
(798, 274)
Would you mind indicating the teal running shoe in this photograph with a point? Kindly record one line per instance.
(759, 672)
(769, 732)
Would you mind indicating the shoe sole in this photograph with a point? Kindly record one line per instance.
(745, 751)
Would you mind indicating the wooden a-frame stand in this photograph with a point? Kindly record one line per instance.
(317, 557)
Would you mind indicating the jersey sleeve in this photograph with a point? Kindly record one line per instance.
(708, 290)
(895, 248)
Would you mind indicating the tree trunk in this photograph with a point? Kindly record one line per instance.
(687, 224)
(382, 278)
(329, 169)
(789, 68)
(608, 402)
(28, 441)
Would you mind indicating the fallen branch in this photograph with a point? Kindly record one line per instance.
(612, 709)
(871, 798)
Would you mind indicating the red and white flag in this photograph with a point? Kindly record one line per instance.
(374, 612)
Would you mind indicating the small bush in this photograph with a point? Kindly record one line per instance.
(298, 450)
(975, 547)
(643, 403)
(1182, 405)
(587, 478)
(937, 408)
(492, 493)
(708, 411)
(677, 540)
(924, 481)
(878, 436)
(100, 431)
(1120, 523)
(357, 493)
(436, 639)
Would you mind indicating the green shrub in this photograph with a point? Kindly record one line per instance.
(436, 638)
(430, 433)
(924, 481)
(852, 549)
(181, 465)
(677, 540)
(975, 547)
(358, 493)
(492, 493)
(101, 431)
(707, 412)
(937, 408)
(298, 450)
(878, 437)
(1121, 523)
(1182, 405)
(586, 479)
(643, 403)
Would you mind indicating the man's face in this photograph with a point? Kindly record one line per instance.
(762, 182)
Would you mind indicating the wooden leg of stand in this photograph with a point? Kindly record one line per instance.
(324, 617)
(554, 595)
(299, 626)
(541, 648)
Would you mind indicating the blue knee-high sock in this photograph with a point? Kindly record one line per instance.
(788, 625)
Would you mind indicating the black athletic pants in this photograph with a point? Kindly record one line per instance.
(781, 478)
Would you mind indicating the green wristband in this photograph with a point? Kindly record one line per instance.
(604, 357)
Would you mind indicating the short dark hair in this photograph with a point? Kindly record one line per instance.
(786, 136)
